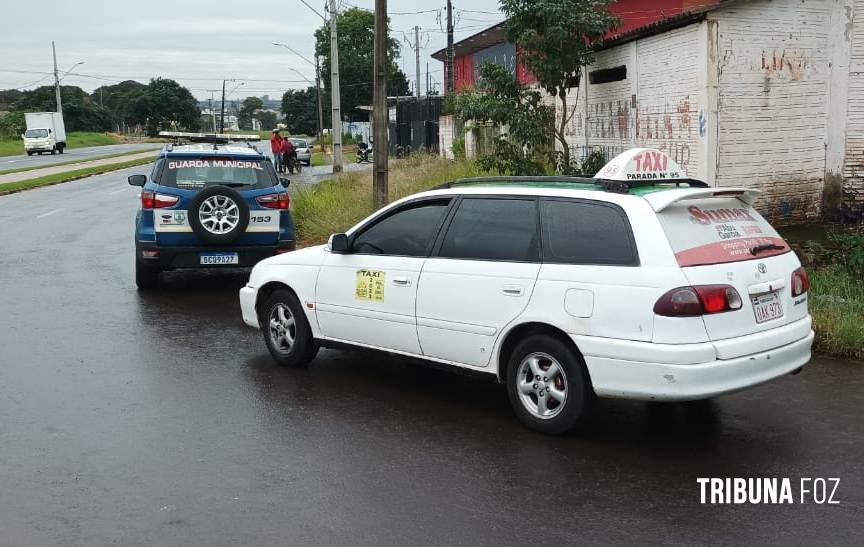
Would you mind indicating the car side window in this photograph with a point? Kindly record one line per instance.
(585, 232)
(407, 232)
(493, 229)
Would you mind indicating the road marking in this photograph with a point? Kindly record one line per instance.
(43, 215)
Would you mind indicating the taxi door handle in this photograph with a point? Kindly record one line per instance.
(512, 290)
(401, 281)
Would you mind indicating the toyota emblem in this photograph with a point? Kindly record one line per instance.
(762, 268)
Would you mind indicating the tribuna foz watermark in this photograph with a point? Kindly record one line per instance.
(763, 490)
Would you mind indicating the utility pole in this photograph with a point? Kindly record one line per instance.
(417, 56)
(379, 108)
(336, 114)
(448, 66)
(427, 79)
(57, 81)
(222, 116)
(212, 113)
(320, 111)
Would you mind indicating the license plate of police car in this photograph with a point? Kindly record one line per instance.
(767, 307)
(213, 259)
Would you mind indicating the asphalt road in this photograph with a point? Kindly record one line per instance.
(159, 419)
(71, 154)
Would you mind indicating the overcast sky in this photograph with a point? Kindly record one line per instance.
(199, 42)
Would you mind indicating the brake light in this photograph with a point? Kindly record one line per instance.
(800, 282)
(155, 200)
(698, 300)
(274, 201)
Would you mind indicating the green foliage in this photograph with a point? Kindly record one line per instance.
(300, 110)
(8, 97)
(458, 147)
(526, 146)
(347, 138)
(165, 105)
(247, 112)
(119, 99)
(12, 125)
(356, 32)
(560, 36)
(837, 305)
(268, 120)
(847, 249)
(588, 167)
(80, 113)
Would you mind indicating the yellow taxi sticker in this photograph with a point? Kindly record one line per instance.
(370, 285)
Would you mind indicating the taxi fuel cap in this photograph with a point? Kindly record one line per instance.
(641, 164)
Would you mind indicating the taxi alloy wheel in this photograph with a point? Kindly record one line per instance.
(286, 330)
(548, 385)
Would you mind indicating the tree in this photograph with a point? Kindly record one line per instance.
(118, 99)
(268, 119)
(356, 32)
(559, 36)
(300, 109)
(165, 105)
(526, 147)
(79, 111)
(247, 111)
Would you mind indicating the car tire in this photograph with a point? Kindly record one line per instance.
(53, 151)
(29, 153)
(218, 238)
(146, 277)
(534, 356)
(60, 149)
(281, 316)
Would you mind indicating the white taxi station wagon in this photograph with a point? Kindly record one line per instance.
(638, 283)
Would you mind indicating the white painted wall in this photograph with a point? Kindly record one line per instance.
(658, 105)
(853, 169)
(773, 72)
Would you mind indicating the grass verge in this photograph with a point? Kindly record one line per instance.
(335, 205)
(57, 178)
(837, 306)
(70, 162)
(14, 146)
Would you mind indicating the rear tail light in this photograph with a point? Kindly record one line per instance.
(274, 201)
(155, 200)
(800, 282)
(698, 300)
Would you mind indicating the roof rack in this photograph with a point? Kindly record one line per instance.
(616, 186)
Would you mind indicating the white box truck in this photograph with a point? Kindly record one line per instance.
(45, 133)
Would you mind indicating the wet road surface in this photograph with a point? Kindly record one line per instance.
(159, 419)
(71, 154)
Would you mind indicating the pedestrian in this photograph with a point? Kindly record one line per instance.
(276, 142)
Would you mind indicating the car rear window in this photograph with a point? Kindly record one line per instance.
(718, 231)
(195, 173)
(582, 232)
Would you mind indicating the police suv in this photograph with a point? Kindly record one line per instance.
(210, 204)
(638, 283)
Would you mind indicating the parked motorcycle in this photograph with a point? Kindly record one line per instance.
(363, 153)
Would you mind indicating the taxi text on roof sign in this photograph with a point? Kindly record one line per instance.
(638, 164)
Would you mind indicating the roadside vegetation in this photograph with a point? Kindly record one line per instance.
(335, 205)
(835, 264)
(57, 178)
(14, 146)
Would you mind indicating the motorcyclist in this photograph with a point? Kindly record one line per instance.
(289, 156)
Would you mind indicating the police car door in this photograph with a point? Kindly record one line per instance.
(368, 294)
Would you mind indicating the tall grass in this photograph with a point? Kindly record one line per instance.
(837, 306)
(335, 205)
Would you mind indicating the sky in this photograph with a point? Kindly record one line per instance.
(200, 42)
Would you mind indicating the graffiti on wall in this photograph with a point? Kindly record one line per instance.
(790, 62)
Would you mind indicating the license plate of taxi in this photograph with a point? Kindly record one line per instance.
(767, 307)
(216, 259)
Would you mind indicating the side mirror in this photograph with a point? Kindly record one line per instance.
(137, 180)
(285, 182)
(338, 243)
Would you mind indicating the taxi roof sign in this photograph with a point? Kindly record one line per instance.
(647, 165)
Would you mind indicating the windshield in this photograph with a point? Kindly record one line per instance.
(198, 173)
(36, 133)
(298, 143)
(718, 231)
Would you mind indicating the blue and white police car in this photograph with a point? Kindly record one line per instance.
(212, 203)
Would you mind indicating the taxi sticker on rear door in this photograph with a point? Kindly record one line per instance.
(370, 285)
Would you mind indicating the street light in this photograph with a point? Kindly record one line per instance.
(69, 71)
(317, 85)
